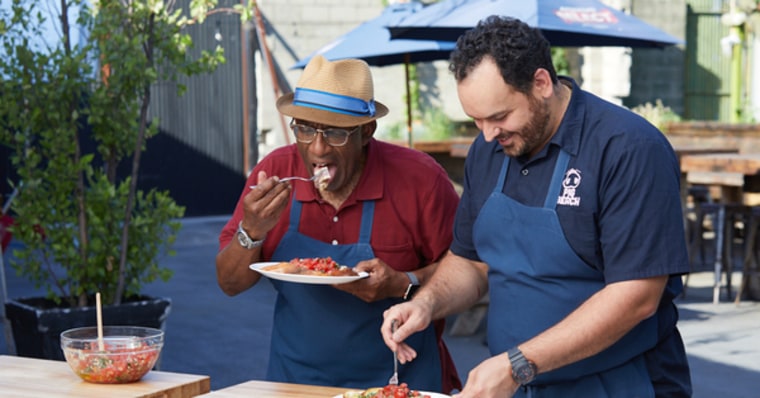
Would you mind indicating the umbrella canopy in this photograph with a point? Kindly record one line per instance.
(565, 23)
(371, 41)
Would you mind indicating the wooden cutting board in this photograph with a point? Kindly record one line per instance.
(268, 389)
(30, 377)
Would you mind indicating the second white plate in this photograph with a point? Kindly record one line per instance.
(308, 279)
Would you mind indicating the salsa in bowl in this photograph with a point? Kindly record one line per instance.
(124, 355)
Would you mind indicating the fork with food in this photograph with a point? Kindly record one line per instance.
(321, 178)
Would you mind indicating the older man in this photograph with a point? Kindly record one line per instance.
(384, 209)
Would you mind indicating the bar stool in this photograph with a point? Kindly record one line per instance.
(728, 221)
(730, 216)
(750, 266)
(694, 220)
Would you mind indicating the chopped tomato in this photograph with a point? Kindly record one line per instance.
(114, 365)
(399, 391)
(321, 266)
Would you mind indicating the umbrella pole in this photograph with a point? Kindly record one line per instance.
(262, 36)
(408, 101)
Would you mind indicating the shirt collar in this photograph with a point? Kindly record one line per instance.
(568, 135)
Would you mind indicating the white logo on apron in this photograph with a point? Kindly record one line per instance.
(569, 184)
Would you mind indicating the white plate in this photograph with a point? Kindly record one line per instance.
(309, 279)
(431, 394)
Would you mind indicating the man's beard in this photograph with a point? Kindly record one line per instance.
(533, 135)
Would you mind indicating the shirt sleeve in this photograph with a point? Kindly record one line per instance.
(640, 218)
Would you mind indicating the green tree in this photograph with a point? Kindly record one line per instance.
(84, 230)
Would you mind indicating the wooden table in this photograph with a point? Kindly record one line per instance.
(269, 389)
(31, 377)
(747, 164)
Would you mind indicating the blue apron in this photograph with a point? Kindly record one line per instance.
(535, 280)
(324, 336)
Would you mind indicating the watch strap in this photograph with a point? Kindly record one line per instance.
(413, 278)
(414, 284)
(523, 370)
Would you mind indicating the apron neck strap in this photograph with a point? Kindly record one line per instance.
(556, 184)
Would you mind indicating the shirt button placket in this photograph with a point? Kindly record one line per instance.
(335, 241)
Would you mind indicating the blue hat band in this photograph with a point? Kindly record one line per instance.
(333, 102)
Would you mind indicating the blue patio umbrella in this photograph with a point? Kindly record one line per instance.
(565, 23)
(371, 41)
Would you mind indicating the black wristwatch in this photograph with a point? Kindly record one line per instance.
(414, 284)
(246, 240)
(523, 370)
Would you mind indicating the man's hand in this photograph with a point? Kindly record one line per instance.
(411, 317)
(263, 205)
(491, 378)
(383, 281)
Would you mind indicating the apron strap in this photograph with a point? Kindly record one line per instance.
(295, 214)
(368, 216)
(498, 188)
(554, 187)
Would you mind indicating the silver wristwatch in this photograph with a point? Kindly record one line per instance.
(246, 240)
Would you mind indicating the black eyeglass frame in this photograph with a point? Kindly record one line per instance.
(328, 134)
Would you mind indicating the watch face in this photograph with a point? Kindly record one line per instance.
(524, 373)
(411, 290)
(244, 241)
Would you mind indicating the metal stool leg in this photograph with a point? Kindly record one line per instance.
(720, 223)
(750, 253)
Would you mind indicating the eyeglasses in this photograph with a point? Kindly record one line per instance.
(333, 136)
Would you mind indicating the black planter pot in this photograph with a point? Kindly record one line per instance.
(37, 323)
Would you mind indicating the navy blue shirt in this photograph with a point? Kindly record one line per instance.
(624, 217)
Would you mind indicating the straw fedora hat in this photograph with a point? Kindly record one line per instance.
(338, 93)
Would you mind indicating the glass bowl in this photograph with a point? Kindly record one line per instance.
(126, 355)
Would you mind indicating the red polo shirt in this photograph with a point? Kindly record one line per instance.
(415, 203)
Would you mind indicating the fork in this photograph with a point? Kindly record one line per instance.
(394, 379)
(312, 178)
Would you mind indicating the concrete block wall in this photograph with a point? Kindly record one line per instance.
(659, 73)
(632, 77)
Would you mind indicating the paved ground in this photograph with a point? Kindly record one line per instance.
(227, 337)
